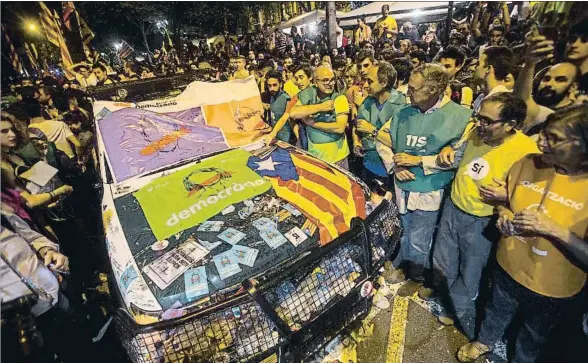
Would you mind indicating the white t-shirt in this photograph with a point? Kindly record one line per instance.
(56, 132)
(339, 37)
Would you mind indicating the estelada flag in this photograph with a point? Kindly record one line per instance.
(325, 195)
(68, 10)
(51, 28)
(125, 50)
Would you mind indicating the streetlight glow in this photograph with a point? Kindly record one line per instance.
(32, 27)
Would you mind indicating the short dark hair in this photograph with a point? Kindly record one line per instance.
(419, 54)
(28, 92)
(500, 28)
(362, 18)
(31, 107)
(575, 117)
(514, 110)
(363, 54)
(501, 59)
(99, 65)
(403, 68)
(274, 74)
(453, 53)
(580, 28)
(48, 90)
(387, 73)
(391, 54)
(385, 7)
(305, 67)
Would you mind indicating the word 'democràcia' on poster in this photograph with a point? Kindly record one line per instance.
(190, 196)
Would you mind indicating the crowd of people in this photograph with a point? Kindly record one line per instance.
(483, 143)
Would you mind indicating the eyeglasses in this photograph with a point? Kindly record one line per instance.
(326, 80)
(483, 120)
(572, 38)
(553, 141)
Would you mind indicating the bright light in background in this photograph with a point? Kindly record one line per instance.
(161, 23)
(416, 12)
(30, 26)
(117, 46)
(312, 27)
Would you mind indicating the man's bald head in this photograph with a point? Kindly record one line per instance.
(558, 84)
(323, 71)
(324, 78)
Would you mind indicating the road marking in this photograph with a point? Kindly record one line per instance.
(396, 336)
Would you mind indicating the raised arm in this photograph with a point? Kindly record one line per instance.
(505, 17)
(538, 48)
(475, 22)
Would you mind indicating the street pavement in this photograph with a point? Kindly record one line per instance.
(408, 332)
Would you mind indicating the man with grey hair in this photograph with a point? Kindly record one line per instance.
(417, 134)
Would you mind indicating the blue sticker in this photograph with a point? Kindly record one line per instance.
(128, 276)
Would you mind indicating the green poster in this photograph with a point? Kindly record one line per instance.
(190, 196)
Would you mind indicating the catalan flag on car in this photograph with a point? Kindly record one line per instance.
(327, 197)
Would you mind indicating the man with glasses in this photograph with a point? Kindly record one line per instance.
(417, 134)
(462, 247)
(325, 114)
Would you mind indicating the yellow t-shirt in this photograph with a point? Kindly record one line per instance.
(388, 22)
(290, 88)
(536, 262)
(481, 163)
(341, 105)
(242, 74)
(332, 151)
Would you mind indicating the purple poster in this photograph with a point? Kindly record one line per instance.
(191, 115)
(138, 141)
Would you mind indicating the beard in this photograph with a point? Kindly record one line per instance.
(549, 98)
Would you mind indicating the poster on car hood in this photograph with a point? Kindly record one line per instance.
(234, 107)
(190, 196)
(138, 141)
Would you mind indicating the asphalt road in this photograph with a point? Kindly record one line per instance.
(408, 332)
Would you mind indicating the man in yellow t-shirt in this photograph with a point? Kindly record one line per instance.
(386, 26)
(238, 64)
(462, 247)
(325, 113)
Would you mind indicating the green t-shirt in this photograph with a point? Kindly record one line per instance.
(370, 112)
(425, 134)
